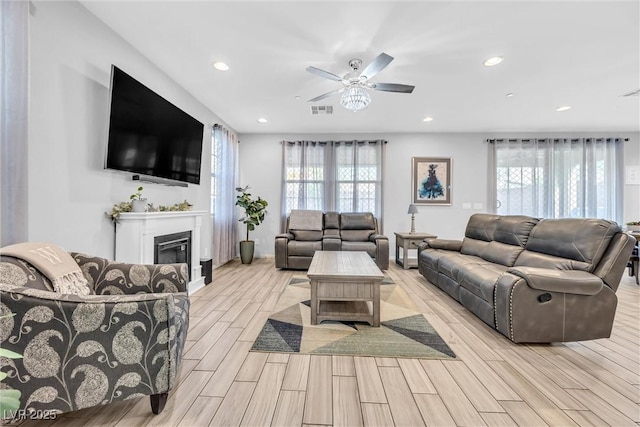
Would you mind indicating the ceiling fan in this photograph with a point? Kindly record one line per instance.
(355, 84)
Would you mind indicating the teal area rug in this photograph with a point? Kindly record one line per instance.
(403, 331)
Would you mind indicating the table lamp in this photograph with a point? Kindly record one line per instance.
(413, 210)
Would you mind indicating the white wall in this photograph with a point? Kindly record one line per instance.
(71, 53)
(260, 168)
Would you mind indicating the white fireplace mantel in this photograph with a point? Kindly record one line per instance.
(135, 235)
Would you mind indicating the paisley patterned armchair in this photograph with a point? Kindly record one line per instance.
(123, 341)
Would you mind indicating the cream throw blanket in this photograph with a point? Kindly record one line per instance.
(54, 263)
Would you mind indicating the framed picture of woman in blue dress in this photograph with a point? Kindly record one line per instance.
(431, 180)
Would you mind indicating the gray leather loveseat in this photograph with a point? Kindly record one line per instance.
(311, 231)
(548, 280)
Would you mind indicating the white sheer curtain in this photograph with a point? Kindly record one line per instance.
(224, 180)
(14, 74)
(343, 176)
(559, 178)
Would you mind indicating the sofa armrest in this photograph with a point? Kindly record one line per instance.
(563, 281)
(331, 243)
(448, 245)
(382, 250)
(376, 237)
(117, 278)
(281, 250)
(81, 351)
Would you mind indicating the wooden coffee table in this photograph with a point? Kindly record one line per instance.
(345, 286)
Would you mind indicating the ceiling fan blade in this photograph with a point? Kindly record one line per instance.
(325, 95)
(392, 87)
(323, 73)
(377, 65)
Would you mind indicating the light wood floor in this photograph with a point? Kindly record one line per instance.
(493, 382)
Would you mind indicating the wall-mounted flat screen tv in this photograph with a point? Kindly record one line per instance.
(148, 135)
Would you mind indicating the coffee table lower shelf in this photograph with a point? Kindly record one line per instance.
(346, 311)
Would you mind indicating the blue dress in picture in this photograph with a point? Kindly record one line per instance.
(430, 187)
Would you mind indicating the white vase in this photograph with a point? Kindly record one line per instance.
(139, 205)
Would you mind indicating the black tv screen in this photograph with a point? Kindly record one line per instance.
(148, 135)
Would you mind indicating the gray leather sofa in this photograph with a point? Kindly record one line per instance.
(355, 231)
(549, 280)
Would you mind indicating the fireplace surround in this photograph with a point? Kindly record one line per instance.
(138, 235)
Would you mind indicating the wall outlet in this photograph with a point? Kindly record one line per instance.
(466, 205)
(632, 175)
(477, 206)
(257, 242)
(206, 252)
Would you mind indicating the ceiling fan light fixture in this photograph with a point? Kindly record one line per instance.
(493, 61)
(220, 66)
(355, 98)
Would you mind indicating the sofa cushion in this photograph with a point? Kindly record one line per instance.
(514, 229)
(332, 220)
(332, 233)
(501, 253)
(357, 221)
(480, 279)
(431, 257)
(307, 235)
(574, 239)
(356, 235)
(368, 247)
(474, 247)
(298, 248)
(305, 220)
(451, 262)
(536, 259)
(481, 227)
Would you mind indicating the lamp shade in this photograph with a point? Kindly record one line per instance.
(413, 209)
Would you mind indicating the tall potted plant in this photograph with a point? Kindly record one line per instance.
(254, 212)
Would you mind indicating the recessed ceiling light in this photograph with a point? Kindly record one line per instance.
(297, 98)
(493, 61)
(220, 66)
(563, 108)
(262, 120)
(427, 119)
(509, 95)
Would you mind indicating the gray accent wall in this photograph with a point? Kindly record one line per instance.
(260, 168)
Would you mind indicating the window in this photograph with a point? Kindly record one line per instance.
(224, 180)
(559, 178)
(343, 176)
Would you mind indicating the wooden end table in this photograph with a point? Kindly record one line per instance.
(345, 286)
(408, 241)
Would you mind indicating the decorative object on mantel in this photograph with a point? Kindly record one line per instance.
(413, 210)
(633, 226)
(138, 203)
(177, 207)
(254, 212)
(136, 199)
(117, 209)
